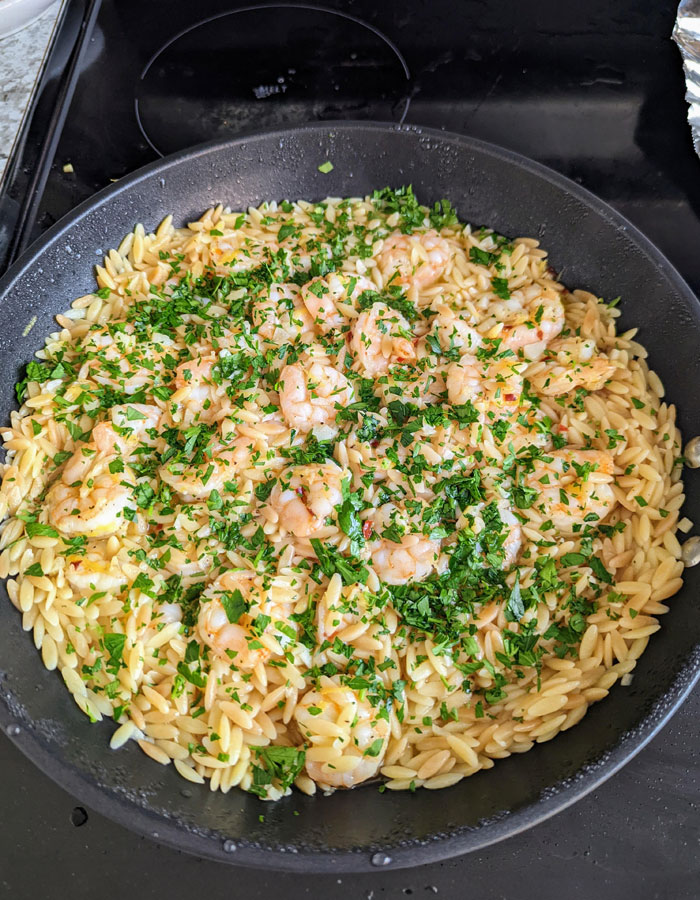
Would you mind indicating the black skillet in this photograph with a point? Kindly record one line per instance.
(592, 247)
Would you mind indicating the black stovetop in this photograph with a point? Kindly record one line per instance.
(593, 89)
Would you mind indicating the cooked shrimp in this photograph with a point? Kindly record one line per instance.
(573, 488)
(411, 558)
(529, 323)
(93, 573)
(235, 252)
(228, 637)
(412, 385)
(496, 518)
(492, 385)
(380, 339)
(85, 459)
(329, 299)
(281, 317)
(201, 379)
(454, 332)
(574, 362)
(194, 378)
(122, 359)
(347, 736)
(132, 424)
(311, 392)
(419, 258)
(229, 609)
(96, 510)
(195, 482)
(532, 428)
(303, 497)
(90, 499)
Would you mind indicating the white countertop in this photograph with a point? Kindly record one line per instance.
(21, 55)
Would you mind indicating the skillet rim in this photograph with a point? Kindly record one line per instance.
(408, 853)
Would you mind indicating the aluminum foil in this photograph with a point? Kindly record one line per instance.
(686, 34)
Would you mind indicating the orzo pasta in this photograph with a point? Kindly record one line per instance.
(327, 492)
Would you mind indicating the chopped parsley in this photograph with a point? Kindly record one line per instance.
(278, 766)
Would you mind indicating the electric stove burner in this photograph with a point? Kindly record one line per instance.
(268, 66)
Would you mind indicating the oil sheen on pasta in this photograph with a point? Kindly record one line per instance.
(321, 493)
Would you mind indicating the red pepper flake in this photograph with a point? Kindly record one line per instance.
(367, 529)
(510, 397)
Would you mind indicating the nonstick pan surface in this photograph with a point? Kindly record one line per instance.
(593, 248)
